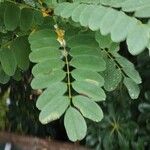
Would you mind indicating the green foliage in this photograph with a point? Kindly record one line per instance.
(26, 14)
(77, 51)
(72, 120)
(8, 61)
(115, 131)
(13, 56)
(21, 47)
(140, 8)
(124, 126)
(112, 76)
(133, 89)
(11, 17)
(53, 69)
(102, 18)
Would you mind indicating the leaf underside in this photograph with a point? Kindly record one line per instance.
(119, 25)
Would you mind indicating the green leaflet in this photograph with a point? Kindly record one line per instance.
(11, 16)
(44, 80)
(88, 108)
(75, 125)
(82, 40)
(60, 8)
(47, 66)
(43, 54)
(26, 18)
(2, 10)
(143, 12)
(83, 50)
(49, 42)
(93, 62)
(89, 89)
(88, 76)
(86, 14)
(54, 90)
(8, 61)
(141, 31)
(66, 13)
(122, 26)
(77, 12)
(94, 22)
(107, 21)
(21, 50)
(4, 78)
(37, 18)
(132, 88)
(54, 109)
(47, 33)
(112, 76)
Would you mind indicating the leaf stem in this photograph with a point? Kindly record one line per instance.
(61, 40)
(68, 73)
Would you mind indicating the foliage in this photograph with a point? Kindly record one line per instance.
(74, 49)
(125, 124)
